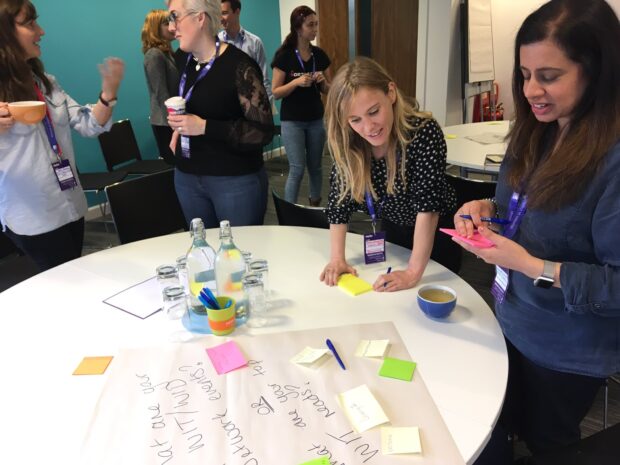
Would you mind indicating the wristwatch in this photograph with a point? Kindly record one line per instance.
(108, 103)
(547, 278)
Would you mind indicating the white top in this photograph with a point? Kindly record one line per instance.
(468, 153)
(31, 201)
(51, 321)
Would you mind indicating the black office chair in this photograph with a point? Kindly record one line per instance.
(291, 214)
(145, 207)
(468, 189)
(119, 147)
(602, 448)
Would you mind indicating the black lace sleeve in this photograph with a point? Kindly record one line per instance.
(256, 127)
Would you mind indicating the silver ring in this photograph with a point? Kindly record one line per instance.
(179, 129)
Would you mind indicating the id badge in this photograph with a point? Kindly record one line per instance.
(500, 284)
(374, 247)
(64, 174)
(185, 146)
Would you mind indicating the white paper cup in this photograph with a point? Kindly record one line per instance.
(175, 105)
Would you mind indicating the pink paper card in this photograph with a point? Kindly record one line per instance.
(477, 240)
(226, 357)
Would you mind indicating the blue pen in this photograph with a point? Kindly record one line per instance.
(488, 219)
(388, 272)
(331, 347)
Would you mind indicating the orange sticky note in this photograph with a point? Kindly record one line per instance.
(93, 365)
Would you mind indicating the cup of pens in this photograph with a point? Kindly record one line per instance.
(220, 312)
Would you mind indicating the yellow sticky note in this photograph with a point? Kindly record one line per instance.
(361, 408)
(93, 366)
(400, 440)
(451, 136)
(353, 285)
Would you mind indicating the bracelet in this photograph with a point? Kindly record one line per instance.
(494, 203)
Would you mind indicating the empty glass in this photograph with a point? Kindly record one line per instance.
(247, 258)
(182, 270)
(175, 303)
(167, 275)
(261, 266)
(254, 297)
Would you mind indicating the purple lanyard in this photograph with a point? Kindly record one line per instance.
(301, 62)
(371, 208)
(49, 127)
(201, 75)
(516, 211)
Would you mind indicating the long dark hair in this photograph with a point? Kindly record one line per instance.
(298, 16)
(556, 174)
(16, 73)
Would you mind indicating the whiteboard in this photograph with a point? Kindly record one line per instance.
(480, 66)
(166, 405)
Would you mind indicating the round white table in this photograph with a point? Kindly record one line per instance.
(469, 154)
(51, 321)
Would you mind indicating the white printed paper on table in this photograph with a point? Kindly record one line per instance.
(167, 405)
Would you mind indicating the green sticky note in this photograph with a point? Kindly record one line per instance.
(321, 461)
(398, 369)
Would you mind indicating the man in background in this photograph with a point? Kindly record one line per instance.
(244, 40)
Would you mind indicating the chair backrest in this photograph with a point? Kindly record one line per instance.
(145, 207)
(468, 189)
(290, 214)
(119, 145)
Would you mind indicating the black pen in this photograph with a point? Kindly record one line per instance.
(488, 219)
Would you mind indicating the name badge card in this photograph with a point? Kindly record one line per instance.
(500, 284)
(64, 174)
(374, 247)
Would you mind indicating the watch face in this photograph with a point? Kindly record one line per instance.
(543, 282)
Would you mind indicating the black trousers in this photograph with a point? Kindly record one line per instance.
(163, 134)
(543, 407)
(52, 248)
(445, 251)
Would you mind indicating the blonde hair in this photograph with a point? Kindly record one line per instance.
(352, 153)
(212, 8)
(151, 31)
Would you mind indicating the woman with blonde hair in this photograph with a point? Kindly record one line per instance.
(161, 74)
(389, 161)
(219, 140)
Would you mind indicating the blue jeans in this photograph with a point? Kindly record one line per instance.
(240, 199)
(303, 142)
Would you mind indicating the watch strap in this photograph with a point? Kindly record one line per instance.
(548, 270)
(107, 103)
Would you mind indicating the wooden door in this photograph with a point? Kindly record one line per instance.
(333, 33)
(394, 40)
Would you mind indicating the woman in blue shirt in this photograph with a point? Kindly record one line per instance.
(557, 285)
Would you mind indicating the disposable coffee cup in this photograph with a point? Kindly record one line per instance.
(175, 105)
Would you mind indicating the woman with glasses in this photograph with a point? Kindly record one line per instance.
(42, 205)
(218, 142)
(300, 75)
(557, 285)
(162, 76)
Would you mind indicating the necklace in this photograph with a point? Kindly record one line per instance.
(199, 63)
(210, 59)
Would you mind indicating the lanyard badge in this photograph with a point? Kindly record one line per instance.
(188, 95)
(62, 168)
(516, 211)
(374, 244)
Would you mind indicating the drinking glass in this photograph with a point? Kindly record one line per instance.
(167, 275)
(261, 266)
(254, 297)
(175, 302)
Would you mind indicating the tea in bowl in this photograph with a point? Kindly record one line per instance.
(27, 112)
(436, 301)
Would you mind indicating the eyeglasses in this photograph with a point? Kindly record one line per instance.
(174, 17)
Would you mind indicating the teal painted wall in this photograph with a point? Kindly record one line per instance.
(79, 34)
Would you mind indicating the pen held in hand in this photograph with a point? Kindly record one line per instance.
(389, 270)
(488, 219)
(331, 347)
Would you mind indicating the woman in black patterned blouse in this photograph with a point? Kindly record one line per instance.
(383, 145)
(218, 143)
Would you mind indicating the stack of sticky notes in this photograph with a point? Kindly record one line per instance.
(312, 358)
(226, 357)
(321, 461)
(397, 369)
(353, 285)
(372, 348)
(400, 440)
(93, 366)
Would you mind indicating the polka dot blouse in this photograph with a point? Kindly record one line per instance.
(427, 189)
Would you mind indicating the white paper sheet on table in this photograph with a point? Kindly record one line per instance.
(487, 138)
(141, 300)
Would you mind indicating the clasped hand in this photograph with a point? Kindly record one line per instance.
(188, 124)
(6, 120)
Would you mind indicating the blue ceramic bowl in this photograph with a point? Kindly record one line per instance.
(436, 301)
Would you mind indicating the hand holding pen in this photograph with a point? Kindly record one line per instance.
(471, 216)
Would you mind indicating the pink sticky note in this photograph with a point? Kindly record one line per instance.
(226, 357)
(477, 240)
